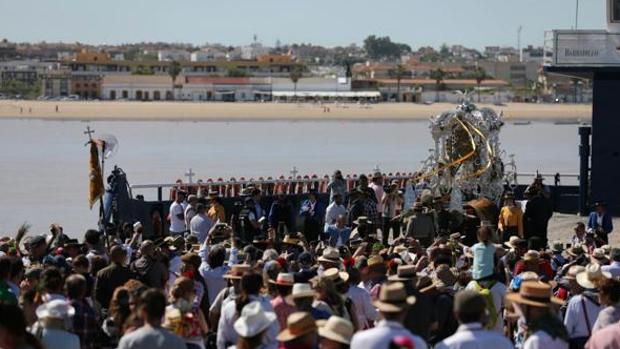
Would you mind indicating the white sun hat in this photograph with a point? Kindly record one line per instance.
(253, 320)
(56, 309)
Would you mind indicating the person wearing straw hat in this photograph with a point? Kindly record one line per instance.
(421, 225)
(335, 333)
(301, 332)
(598, 256)
(392, 304)
(54, 322)
(303, 297)
(470, 311)
(583, 309)
(283, 308)
(252, 325)
(535, 306)
(557, 259)
(251, 285)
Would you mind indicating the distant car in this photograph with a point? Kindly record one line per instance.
(73, 98)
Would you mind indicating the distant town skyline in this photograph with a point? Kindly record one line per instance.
(475, 24)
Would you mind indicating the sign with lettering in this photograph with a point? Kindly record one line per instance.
(586, 48)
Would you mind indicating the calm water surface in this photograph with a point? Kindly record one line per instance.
(44, 164)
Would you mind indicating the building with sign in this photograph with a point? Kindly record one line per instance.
(594, 55)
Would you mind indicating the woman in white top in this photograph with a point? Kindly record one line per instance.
(54, 320)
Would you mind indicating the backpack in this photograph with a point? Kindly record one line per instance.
(488, 297)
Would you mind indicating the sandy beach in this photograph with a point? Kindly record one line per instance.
(218, 111)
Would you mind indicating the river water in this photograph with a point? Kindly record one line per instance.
(44, 175)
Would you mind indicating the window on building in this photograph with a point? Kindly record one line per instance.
(125, 94)
(78, 85)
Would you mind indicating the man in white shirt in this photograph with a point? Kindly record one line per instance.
(377, 187)
(364, 310)
(335, 209)
(614, 267)
(392, 304)
(177, 215)
(469, 309)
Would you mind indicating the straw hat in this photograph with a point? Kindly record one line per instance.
(598, 256)
(531, 256)
(284, 279)
(335, 275)
(56, 309)
(456, 237)
(573, 271)
(297, 325)
(513, 241)
(444, 277)
(404, 273)
(288, 239)
(253, 320)
(535, 294)
(393, 298)
(337, 329)
(237, 271)
(375, 261)
(591, 276)
(330, 255)
(302, 290)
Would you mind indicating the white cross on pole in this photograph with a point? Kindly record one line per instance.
(294, 172)
(190, 175)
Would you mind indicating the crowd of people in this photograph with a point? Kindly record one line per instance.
(375, 267)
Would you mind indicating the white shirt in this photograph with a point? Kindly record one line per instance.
(542, 340)
(177, 225)
(227, 334)
(364, 310)
(381, 336)
(378, 189)
(575, 319)
(498, 291)
(473, 336)
(214, 277)
(613, 268)
(59, 339)
(333, 211)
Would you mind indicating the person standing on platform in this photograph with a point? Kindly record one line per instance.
(510, 221)
(600, 224)
(312, 211)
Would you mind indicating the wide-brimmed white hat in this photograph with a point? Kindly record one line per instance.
(337, 329)
(302, 290)
(253, 320)
(56, 309)
(591, 276)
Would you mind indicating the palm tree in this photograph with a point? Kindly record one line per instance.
(399, 73)
(437, 75)
(480, 75)
(174, 70)
(295, 75)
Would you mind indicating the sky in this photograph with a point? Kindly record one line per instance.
(473, 23)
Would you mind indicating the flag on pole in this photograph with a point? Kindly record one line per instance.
(95, 190)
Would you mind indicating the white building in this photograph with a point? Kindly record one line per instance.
(138, 87)
(173, 55)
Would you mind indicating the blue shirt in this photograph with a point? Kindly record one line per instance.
(484, 260)
(338, 237)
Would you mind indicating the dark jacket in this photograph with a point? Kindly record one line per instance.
(151, 272)
(108, 279)
(538, 211)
